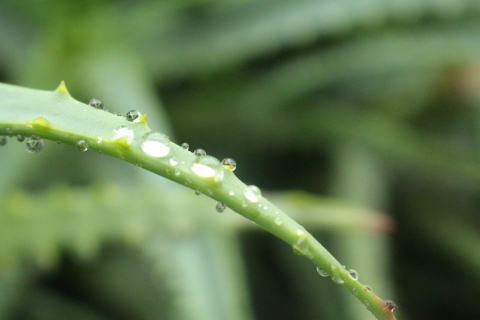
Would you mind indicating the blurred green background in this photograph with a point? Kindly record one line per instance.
(360, 118)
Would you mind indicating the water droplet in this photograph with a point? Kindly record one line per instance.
(200, 152)
(336, 275)
(229, 164)
(265, 208)
(353, 274)
(278, 221)
(155, 144)
(122, 132)
(198, 192)
(252, 193)
(173, 161)
(231, 193)
(34, 144)
(177, 172)
(96, 103)
(322, 273)
(244, 203)
(390, 304)
(82, 145)
(185, 146)
(368, 288)
(207, 166)
(132, 115)
(20, 138)
(3, 140)
(99, 139)
(9, 130)
(220, 207)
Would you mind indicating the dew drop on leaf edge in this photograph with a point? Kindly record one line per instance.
(132, 115)
(97, 103)
(200, 152)
(229, 164)
(34, 144)
(82, 145)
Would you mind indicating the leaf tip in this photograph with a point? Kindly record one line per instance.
(141, 118)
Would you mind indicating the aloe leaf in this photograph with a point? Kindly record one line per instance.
(57, 116)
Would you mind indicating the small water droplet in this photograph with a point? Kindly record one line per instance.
(231, 193)
(336, 275)
(177, 172)
(229, 164)
(207, 166)
(322, 273)
(353, 274)
(252, 193)
(265, 208)
(20, 138)
(185, 146)
(3, 140)
(82, 145)
(278, 221)
(99, 139)
(220, 207)
(155, 144)
(200, 152)
(34, 144)
(123, 131)
(244, 203)
(132, 115)
(96, 103)
(9, 130)
(198, 192)
(173, 161)
(368, 288)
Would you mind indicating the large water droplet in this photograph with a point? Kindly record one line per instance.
(96, 103)
(132, 115)
(336, 275)
(185, 146)
(321, 272)
(82, 145)
(20, 138)
(34, 144)
(252, 193)
(220, 207)
(200, 152)
(207, 166)
(123, 131)
(155, 144)
(229, 164)
(353, 274)
(3, 140)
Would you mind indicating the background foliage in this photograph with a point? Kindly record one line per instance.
(369, 106)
